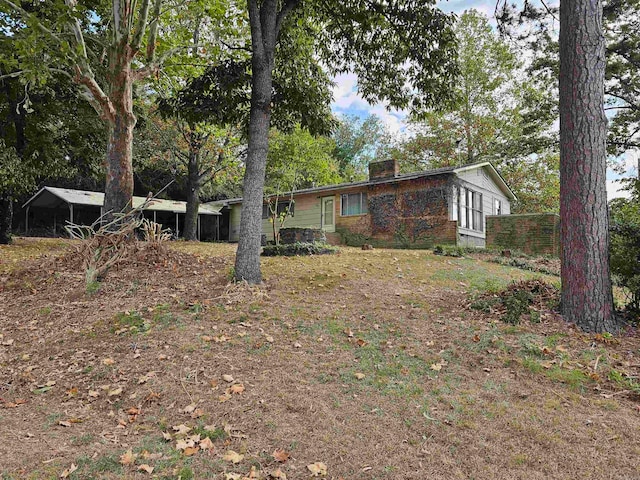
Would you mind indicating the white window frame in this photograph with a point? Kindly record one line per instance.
(363, 203)
(470, 214)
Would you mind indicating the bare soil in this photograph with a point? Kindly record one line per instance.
(369, 364)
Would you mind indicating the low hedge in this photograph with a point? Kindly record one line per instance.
(299, 248)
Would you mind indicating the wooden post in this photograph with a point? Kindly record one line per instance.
(26, 221)
(177, 230)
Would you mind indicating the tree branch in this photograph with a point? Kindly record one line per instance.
(140, 26)
(153, 32)
(286, 9)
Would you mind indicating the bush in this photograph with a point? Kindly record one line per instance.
(518, 300)
(625, 250)
(454, 250)
(293, 249)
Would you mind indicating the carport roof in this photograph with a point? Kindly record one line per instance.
(53, 197)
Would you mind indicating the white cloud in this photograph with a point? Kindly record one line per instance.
(614, 189)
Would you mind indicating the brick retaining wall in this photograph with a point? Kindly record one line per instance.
(536, 234)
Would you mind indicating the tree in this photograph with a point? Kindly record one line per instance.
(587, 297)
(500, 117)
(46, 132)
(296, 160)
(416, 70)
(105, 48)
(358, 142)
(622, 31)
(218, 100)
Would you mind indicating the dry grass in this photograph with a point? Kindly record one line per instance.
(368, 361)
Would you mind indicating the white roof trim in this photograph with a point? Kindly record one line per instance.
(495, 175)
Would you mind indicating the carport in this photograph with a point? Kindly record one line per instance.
(59, 205)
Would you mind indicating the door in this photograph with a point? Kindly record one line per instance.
(328, 214)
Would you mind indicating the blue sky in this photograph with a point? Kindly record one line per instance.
(347, 101)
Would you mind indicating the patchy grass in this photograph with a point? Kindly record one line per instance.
(334, 360)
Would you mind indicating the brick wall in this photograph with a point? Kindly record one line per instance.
(406, 214)
(530, 233)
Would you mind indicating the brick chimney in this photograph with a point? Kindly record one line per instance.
(383, 169)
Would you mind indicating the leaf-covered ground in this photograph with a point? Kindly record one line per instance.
(361, 365)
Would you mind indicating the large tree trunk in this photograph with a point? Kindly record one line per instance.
(193, 197)
(587, 297)
(264, 32)
(6, 215)
(118, 192)
(248, 256)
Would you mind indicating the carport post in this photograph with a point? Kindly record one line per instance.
(177, 231)
(217, 227)
(198, 227)
(154, 217)
(71, 213)
(26, 221)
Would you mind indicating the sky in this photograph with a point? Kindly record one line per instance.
(347, 101)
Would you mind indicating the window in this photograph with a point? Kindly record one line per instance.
(467, 206)
(283, 206)
(353, 204)
(497, 206)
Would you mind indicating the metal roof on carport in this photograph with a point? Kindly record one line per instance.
(54, 197)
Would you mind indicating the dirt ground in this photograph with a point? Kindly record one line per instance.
(360, 365)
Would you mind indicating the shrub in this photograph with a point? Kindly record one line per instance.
(454, 250)
(519, 300)
(293, 249)
(625, 250)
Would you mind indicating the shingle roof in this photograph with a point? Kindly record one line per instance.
(399, 178)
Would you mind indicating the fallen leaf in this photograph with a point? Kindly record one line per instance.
(436, 366)
(269, 339)
(127, 458)
(181, 429)
(231, 456)
(227, 378)
(115, 393)
(190, 408)
(359, 375)
(182, 444)
(297, 345)
(206, 444)
(63, 423)
(232, 476)
(189, 451)
(7, 343)
(281, 455)
(94, 393)
(278, 474)
(237, 388)
(108, 361)
(317, 469)
(167, 436)
(361, 342)
(145, 468)
(72, 468)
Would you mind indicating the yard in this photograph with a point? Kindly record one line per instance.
(361, 365)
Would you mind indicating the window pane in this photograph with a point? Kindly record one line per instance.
(343, 204)
(328, 212)
(354, 204)
(365, 207)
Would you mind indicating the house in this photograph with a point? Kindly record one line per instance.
(417, 210)
(51, 207)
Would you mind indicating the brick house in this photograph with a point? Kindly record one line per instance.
(415, 210)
